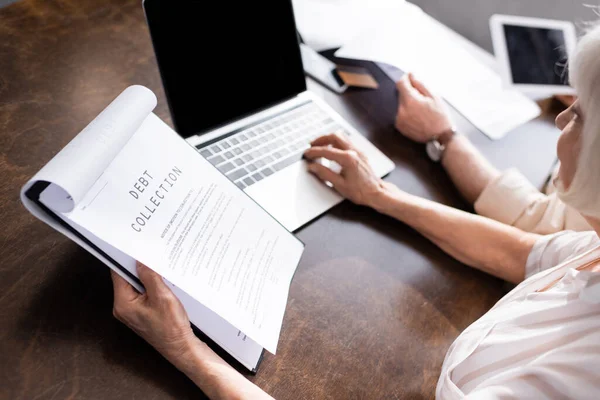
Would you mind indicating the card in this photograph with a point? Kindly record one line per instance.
(357, 77)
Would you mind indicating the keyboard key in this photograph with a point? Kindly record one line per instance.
(243, 137)
(248, 181)
(267, 172)
(228, 155)
(251, 134)
(216, 160)
(225, 168)
(237, 151)
(238, 162)
(287, 161)
(251, 167)
(225, 145)
(268, 159)
(237, 174)
(259, 164)
(247, 158)
(257, 177)
(284, 152)
(215, 149)
(234, 141)
(261, 140)
(300, 146)
(206, 153)
(263, 150)
(246, 147)
(240, 184)
(255, 154)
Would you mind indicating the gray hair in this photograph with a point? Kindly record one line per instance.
(584, 72)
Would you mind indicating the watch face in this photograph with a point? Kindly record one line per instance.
(434, 150)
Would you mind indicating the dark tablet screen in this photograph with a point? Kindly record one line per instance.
(537, 56)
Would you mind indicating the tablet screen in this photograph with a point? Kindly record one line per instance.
(536, 55)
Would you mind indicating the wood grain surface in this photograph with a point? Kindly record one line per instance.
(372, 309)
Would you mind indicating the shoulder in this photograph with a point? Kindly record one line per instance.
(567, 371)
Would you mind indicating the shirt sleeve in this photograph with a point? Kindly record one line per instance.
(552, 250)
(513, 200)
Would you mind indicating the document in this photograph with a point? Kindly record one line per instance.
(129, 181)
(416, 43)
(328, 24)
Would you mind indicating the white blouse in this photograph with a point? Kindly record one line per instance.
(535, 345)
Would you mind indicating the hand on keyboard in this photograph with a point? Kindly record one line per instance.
(257, 151)
(356, 181)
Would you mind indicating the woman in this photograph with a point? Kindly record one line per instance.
(541, 341)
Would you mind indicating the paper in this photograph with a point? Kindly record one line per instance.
(160, 203)
(327, 24)
(416, 43)
(231, 339)
(84, 159)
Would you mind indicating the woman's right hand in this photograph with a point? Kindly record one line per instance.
(422, 116)
(357, 181)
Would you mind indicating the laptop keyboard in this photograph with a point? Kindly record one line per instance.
(258, 151)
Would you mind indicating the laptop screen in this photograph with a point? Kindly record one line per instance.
(222, 60)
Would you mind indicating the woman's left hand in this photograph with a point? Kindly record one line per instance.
(357, 181)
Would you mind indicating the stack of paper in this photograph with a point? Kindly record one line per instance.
(415, 42)
(129, 188)
(328, 24)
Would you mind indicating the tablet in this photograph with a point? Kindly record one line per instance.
(532, 53)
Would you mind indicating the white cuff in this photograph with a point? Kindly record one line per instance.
(506, 198)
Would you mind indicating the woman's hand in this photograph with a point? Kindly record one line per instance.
(357, 182)
(157, 315)
(421, 115)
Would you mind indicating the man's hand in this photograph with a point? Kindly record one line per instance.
(357, 182)
(421, 116)
(157, 315)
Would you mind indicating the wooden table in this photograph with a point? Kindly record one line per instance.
(372, 309)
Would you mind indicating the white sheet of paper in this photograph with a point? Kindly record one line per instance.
(416, 43)
(158, 201)
(166, 206)
(79, 164)
(327, 24)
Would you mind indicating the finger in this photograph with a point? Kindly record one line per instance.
(333, 139)
(341, 157)
(325, 174)
(406, 89)
(123, 291)
(152, 281)
(420, 86)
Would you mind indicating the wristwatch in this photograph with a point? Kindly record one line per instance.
(435, 148)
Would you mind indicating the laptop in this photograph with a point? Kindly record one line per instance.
(235, 85)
